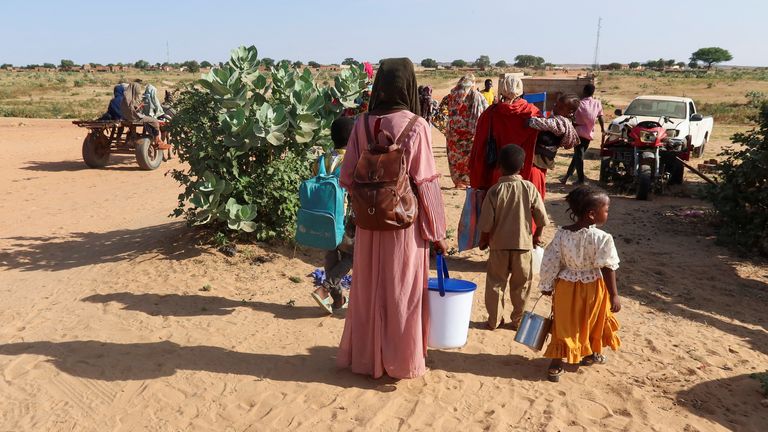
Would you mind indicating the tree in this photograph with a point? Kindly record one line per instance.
(459, 63)
(711, 55)
(313, 64)
(66, 64)
(191, 65)
(528, 61)
(740, 197)
(681, 65)
(693, 64)
(501, 64)
(655, 64)
(670, 63)
(349, 61)
(612, 66)
(634, 65)
(429, 63)
(267, 62)
(6, 66)
(205, 64)
(298, 64)
(49, 65)
(141, 64)
(483, 62)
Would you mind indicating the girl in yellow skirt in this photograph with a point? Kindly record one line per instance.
(578, 270)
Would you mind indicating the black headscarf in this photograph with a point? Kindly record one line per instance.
(395, 88)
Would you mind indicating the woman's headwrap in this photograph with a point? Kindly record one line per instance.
(510, 86)
(395, 87)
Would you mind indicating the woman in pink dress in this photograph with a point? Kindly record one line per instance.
(388, 318)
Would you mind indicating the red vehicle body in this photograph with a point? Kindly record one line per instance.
(644, 157)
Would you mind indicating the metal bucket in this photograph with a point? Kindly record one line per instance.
(533, 329)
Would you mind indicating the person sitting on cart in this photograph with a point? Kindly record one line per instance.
(113, 110)
(131, 109)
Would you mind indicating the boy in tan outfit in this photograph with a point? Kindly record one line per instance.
(505, 224)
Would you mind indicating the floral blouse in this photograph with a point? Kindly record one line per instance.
(577, 256)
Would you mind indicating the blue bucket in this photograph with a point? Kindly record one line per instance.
(450, 307)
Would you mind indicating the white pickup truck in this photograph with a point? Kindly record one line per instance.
(685, 122)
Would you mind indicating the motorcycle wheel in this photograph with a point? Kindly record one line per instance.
(643, 183)
(605, 165)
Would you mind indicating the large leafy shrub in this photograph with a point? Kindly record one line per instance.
(741, 197)
(249, 136)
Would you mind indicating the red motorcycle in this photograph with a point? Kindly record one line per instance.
(642, 156)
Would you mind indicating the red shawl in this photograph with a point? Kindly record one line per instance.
(510, 126)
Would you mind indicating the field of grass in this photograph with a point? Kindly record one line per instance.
(723, 94)
(74, 95)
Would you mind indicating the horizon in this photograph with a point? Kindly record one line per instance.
(300, 30)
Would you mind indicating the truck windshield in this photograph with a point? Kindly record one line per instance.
(656, 108)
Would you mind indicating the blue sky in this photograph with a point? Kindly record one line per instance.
(38, 31)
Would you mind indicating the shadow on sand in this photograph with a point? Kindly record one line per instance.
(171, 241)
(109, 361)
(179, 305)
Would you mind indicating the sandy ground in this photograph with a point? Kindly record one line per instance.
(106, 324)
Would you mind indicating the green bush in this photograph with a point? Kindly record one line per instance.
(741, 196)
(249, 138)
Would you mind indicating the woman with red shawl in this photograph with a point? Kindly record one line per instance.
(508, 122)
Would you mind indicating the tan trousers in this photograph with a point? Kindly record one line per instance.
(517, 266)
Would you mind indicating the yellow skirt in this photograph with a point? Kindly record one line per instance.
(582, 321)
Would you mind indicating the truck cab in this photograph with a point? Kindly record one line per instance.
(682, 119)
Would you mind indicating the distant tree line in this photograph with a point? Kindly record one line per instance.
(484, 61)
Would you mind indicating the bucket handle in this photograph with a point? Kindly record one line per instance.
(442, 274)
(536, 302)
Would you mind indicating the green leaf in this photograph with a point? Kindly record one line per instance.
(276, 138)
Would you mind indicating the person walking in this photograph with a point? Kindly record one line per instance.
(460, 111)
(387, 324)
(584, 119)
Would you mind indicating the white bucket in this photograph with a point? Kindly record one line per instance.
(450, 307)
(449, 319)
(537, 256)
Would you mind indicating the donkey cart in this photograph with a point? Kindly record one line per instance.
(107, 137)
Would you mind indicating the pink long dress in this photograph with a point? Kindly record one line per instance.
(387, 322)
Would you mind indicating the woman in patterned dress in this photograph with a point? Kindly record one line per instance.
(459, 111)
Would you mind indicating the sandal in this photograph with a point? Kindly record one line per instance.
(592, 359)
(324, 303)
(553, 374)
(344, 305)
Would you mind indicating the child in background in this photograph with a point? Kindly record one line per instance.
(579, 266)
(488, 93)
(338, 262)
(505, 226)
(554, 132)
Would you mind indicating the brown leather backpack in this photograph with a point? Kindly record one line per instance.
(382, 195)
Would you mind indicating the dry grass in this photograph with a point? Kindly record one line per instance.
(71, 94)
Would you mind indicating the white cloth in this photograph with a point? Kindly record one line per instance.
(577, 256)
(511, 86)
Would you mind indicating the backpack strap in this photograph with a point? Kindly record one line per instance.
(368, 133)
(406, 131)
(321, 165)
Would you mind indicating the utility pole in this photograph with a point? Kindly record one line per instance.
(167, 53)
(595, 64)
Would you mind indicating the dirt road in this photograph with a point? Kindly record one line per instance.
(114, 319)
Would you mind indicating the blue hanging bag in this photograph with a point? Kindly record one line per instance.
(320, 221)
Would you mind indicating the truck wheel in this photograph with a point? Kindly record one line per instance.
(96, 150)
(605, 166)
(699, 151)
(147, 156)
(643, 182)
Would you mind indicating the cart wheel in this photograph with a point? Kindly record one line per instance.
(147, 156)
(643, 182)
(96, 150)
